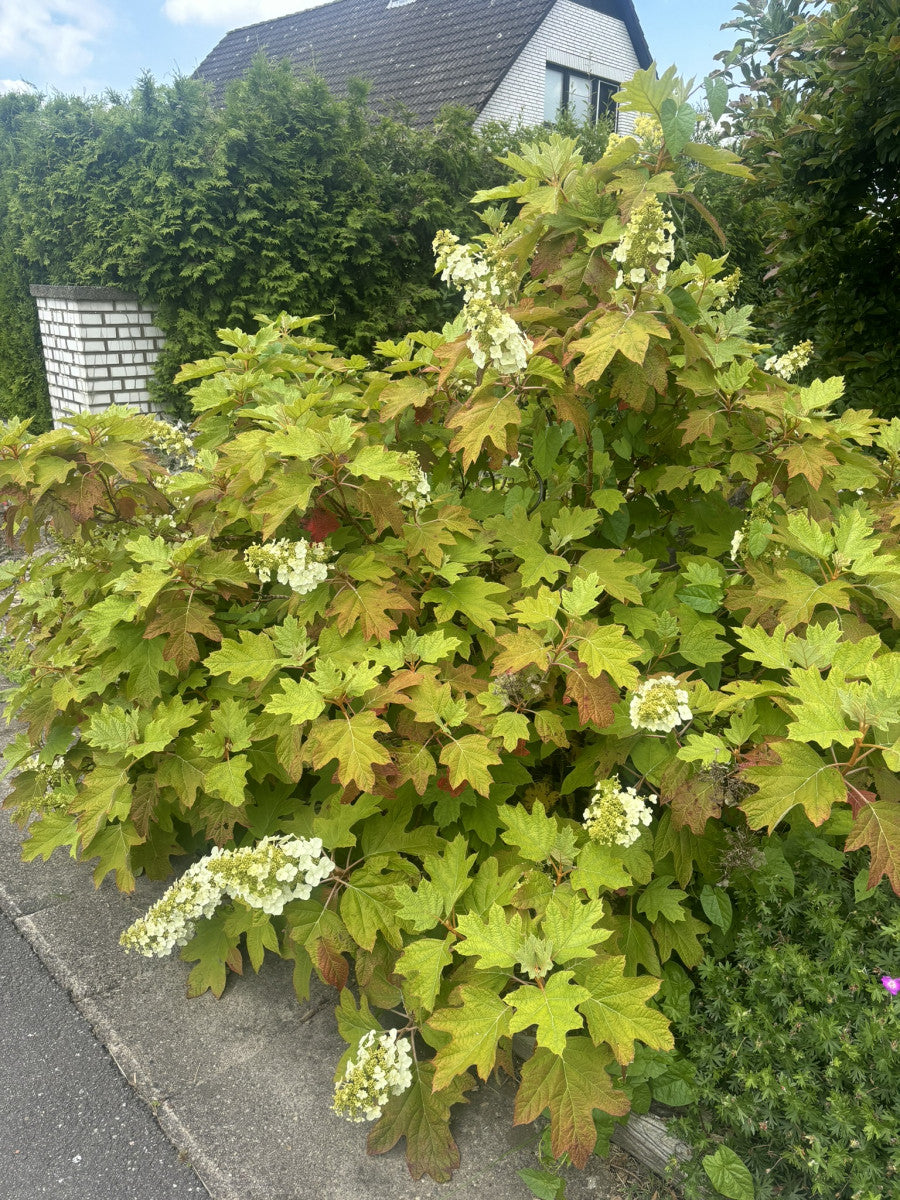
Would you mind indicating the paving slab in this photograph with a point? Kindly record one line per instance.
(243, 1085)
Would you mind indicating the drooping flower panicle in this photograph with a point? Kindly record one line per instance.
(659, 705)
(646, 248)
(488, 281)
(415, 493)
(301, 565)
(382, 1068)
(265, 876)
(790, 363)
(615, 814)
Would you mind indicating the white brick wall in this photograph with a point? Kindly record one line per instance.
(571, 35)
(99, 346)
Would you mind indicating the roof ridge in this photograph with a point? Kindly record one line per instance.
(284, 17)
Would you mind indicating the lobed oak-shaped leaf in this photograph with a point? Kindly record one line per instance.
(422, 1117)
(475, 1029)
(572, 1085)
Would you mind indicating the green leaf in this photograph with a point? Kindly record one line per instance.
(629, 333)
(212, 950)
(716, 905)
(475, 1029)
(728, 1175)
(496, 942)
(617, 1012)
(112, 846)
(298, 699)
(802, 777)
(608, 649)
(369, 907)
(252, 657)
(570, 924)
(351, 741)
(726, 162)
(658, 897)
(470, 596)
(228, 780)
(552, 1008)
(535, 834)
(716, 96)
(376, 462)
(681, 937)
(422, 964)
(467, 759)
(571, 1085)
(545, 1185)
(422, 1116)
(678, 123)
(511, 728)
(494, 419)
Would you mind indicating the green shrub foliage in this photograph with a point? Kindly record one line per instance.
(820, 125)
(522, 622)
(23, 385)
(283, 197)
(793, 1036)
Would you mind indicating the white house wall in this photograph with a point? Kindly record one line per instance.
(571, 35)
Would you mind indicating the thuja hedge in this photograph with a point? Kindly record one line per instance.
(463, 669)
(282, 197)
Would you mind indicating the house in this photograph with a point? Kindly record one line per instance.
(516, 60)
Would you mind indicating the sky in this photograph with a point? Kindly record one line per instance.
(85, 47)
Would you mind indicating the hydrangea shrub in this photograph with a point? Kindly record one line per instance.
(454, 667)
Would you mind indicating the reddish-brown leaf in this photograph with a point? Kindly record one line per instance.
(423, 1118)
(878, 827)
(595, 697)
(320, 523)
(571, 1086)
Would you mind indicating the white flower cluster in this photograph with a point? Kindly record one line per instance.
(736, 543)
(265, 876)
(791, 362)
(488, 281)
(615, 814)
(301, 565)
(52, 775)
(381, 1069)
(659, 705)
(415, 493)
(174, 440)
(646, 248)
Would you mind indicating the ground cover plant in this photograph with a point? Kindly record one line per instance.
(792, 1030)
(462, 670)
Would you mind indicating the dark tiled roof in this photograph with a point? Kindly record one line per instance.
(423, 53)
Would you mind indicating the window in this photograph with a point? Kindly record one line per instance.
(585, 97)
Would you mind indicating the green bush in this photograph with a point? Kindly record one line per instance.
(464, 667)
(282, 198)
(817, 116)
(793, 1036)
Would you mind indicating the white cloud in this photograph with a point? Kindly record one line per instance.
(14, 85)
(57, 35)
(234, 12)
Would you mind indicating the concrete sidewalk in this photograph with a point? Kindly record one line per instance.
(242, 1086)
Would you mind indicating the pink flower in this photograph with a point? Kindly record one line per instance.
(892, 985)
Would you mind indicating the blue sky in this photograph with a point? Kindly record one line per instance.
(87, 46)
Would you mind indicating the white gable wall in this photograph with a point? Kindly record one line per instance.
(571, 35)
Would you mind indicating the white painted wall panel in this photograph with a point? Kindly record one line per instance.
(571, 35)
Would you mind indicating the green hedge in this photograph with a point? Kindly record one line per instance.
(282, 198)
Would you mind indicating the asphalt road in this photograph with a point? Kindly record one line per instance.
(70, 1126)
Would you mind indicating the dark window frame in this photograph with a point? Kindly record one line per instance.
(601, 90)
